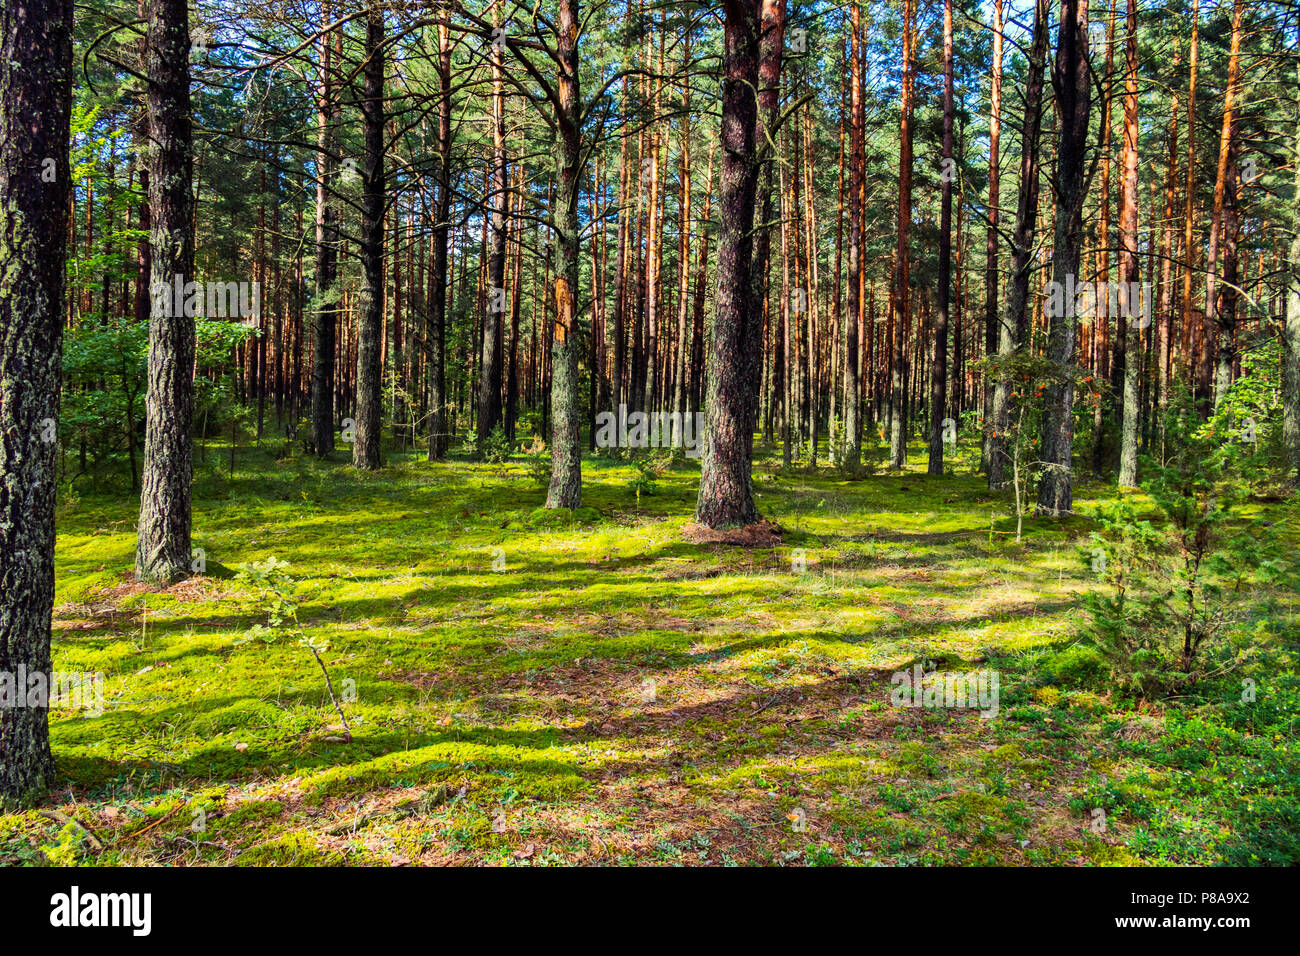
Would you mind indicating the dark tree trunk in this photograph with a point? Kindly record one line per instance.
(939, 350)
(1012, 328)
(366, 452)
(438, 275)
(771, 46)
(901, 291)
(163, 543)
(1073, 92)
(852, 441)
(490, 364)
(35, 102)
(726, 497)
(991, 241)
(324, 297)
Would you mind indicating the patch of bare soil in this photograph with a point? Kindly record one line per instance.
(760, 534)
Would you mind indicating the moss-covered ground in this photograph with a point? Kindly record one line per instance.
(528, 688)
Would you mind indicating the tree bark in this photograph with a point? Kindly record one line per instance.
(324, 295)
(441, 232)
(565, 489)
(900, 291)
(35, 104)
(1291, 328)
(1130, 329)
(366, 451)
(163, 535)
(939, 350)
(1073, 92)
(991, 241)
(1013, 327)
(852, 442)
(726, 496)
(490, 371)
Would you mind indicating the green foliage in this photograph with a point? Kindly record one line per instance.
(496, 447)
(1176, 595)
(539, 461)
(1251, 415)
(103, 411)
(645, 481)
(274, 602)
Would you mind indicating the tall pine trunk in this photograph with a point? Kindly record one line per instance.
(726, 497)
(1014, 325)
(163, 535)
(939, 350)
(490, 357)
(901, 293)
(565, 489)
(369, 417)
(1129, 329)
(438, 275)
(324, 295)
(1073, 91)
(991, 241)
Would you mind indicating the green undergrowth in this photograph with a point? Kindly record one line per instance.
(529, 687)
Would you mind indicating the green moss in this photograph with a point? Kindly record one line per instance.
(523, 688)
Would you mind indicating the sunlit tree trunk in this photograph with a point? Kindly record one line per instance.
(1129, 329)
(726, 489)
(1220, 303)
(565, 489)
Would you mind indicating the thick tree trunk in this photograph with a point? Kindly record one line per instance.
(1073, 91)
(771, 46)
(163, 535)
(35, 102)
(566, 452)
(366, 452)
(726, 496)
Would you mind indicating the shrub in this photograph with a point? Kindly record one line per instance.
(1176, 595)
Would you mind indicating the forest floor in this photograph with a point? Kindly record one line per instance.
(529, 688)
